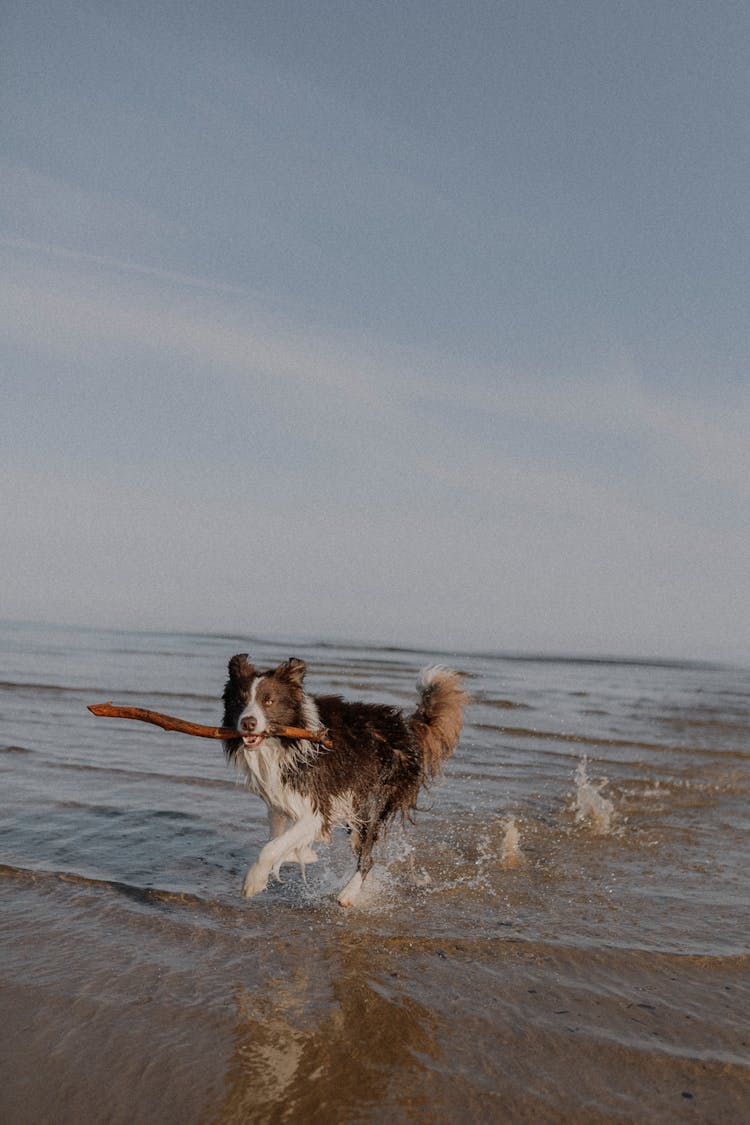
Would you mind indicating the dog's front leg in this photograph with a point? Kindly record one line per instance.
(301, 834)
(279, 824)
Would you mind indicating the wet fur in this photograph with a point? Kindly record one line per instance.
(379, 761)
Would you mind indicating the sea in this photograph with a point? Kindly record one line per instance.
(561, 935)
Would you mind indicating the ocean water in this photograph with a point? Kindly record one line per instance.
(562, 935)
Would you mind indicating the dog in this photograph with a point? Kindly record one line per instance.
(375, 763)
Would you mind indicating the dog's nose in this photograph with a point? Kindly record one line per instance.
(248, 724)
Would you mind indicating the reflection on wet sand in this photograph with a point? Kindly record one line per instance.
(557, 1027)
(327, 1045)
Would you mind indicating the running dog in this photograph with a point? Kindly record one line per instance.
(374, 764)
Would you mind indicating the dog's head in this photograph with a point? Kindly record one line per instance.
(256, 703)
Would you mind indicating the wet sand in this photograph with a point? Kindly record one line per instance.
(117, 1007)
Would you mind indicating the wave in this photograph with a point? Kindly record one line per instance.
(602, 659)
(67, 689)
(603, 740)
(142, 775)
(504, 704)
(145, 895)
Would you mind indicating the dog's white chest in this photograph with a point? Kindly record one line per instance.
(263, 773)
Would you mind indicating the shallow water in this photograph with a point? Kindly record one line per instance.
(561, 936)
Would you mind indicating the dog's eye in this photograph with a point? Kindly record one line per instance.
(267, 700)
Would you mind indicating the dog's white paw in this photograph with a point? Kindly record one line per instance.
(255, 882)
(349, 895)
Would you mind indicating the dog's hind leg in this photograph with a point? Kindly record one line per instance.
(349, 895)
(368, 838)
(300, 835)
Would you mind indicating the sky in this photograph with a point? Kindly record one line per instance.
(418, 323)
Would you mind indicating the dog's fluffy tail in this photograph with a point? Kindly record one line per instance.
(439, 717)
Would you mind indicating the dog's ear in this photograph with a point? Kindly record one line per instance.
(239, 669)
(293, 671)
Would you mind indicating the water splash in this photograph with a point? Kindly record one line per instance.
(418, 876)
(510, 848)
(589, 804)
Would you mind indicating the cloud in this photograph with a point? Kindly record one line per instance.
(82, 307)
(46, 210)
(73, 304)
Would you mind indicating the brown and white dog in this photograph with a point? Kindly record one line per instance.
(373, 770)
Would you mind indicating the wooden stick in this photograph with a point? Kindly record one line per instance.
(169, 722)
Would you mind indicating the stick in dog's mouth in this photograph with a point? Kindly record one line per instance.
(169, 722)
